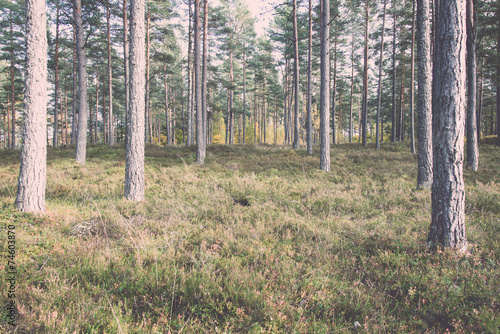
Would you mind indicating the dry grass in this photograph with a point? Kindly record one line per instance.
(258, 240)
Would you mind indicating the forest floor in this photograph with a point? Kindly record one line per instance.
(256, 241)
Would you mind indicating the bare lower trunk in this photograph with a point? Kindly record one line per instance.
(134, 167)
(126, 64)
(325, 88)
(309, 85)
(296, 137)
(393, 126)
(412, 82)
(32, 173)
(81, 139)
(111, 130)
(379, 91)
(448, 192)
(205, 72)
(472, 143)
(364, 110)
(424, 101)
(200, 137)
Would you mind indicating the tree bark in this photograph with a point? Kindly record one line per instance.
(146, 104)
(424, 101)
(200, 137)
(379, 91)
(134, 167)
(352, 91)
(189, 134)
(74, 119)
(204, 96)
(412, 82)
(364, 110)
(334, 93)
(32, 173)
(12, 86)
(296, 136)
(81, 140)
(325, 88)
(111, 130)
(309, 84)
(244, 94)
(126, 64)
(448, 192)
(393, 126)
(472, 141)
(56, 83)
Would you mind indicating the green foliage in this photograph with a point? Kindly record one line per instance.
(258, 240)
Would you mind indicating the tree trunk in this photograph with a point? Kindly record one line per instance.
(32, 173)
(424, 101)
(364, 110)
(12, 86)
(167, 109)
(205, 73)
(309, 84)
(81, 140)
(325, 88)
(498, 76)
(200, 137)
(480, 104)
(134, 167)
(296, 136)
(448, 192)
(412, 82)
(111, 130)
(189, 137)
(393, 126)
(56, 82)
(231, 98)
(146, 104)
(472, 141)
(74, 118)
(126, 64)
(351, 101)
(244, 95)
(379, 91)
(334, 92)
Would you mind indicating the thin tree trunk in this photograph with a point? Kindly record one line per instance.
(134, 167)
(309, 84)
(167, 109)
(244, 94)
(189, 134)
(146, 107)
(32, 173)
(424, 101)
(334, 92)
(200, 133)
(12, 86)
(393, 126)
(472, 141)
(480, 104)
(56, 82)
(74, 118)
(231, 98)
(126, 64)
(204, 71)
(364, 110)
(352, 91)
(111, 130)
(412, 82)
(448, 192)
(81, 140)
(379, 91)
(296, 136)
(325, 88)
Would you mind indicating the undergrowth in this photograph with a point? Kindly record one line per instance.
(256, 241)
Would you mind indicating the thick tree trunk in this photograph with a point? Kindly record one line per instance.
(412, 82)
(56, 83)
(472, 141)
(448, 192)
(324, 163)
(364, 110)
(32, 173)
(200, 137)
(379, 91)
(309, 84)
(424, 101)
(134, 167)
(296, 136)
(111, 130)
(81, 140)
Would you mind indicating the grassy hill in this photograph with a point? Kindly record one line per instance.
(256, 241)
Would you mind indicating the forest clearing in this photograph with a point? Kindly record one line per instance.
(258, 240)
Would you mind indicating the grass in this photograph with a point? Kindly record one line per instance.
(256, 241)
